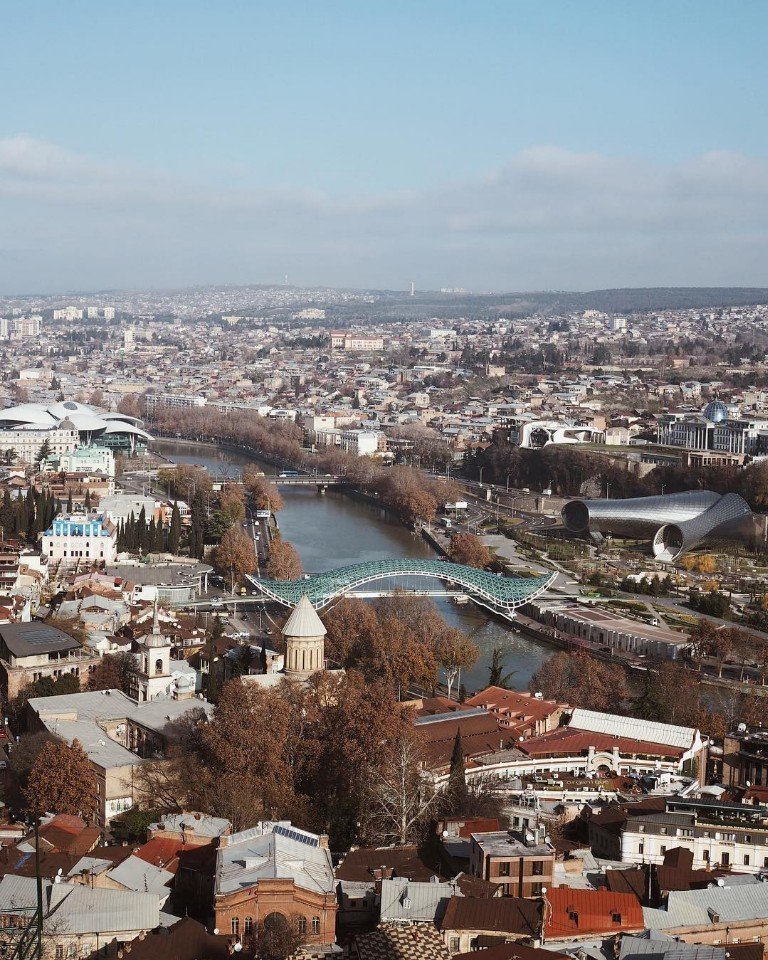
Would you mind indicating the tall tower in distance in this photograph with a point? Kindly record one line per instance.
(413, 288)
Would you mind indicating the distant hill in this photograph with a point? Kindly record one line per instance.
(399, 305)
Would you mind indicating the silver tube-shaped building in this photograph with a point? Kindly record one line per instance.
(637, 517)
(675, 523)
(727, 520)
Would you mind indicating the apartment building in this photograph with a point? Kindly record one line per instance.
(523, 863)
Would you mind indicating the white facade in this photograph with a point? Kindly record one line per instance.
(84, 539)
(27, 442)
(22, 327)
(83, 460)
(361, 443)
(745, 850)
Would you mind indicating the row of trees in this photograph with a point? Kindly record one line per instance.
(28, 515)
(574, 472)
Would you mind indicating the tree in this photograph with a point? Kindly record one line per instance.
(284, 563)
(703, 639)
(10, 456)
(454, 652)
(275, 937)
(44, 452)
(215, 636)
(263, 493)
(399, 798)
(581, 681)
(670, 695)
(235, 555)
(468, 549)
(115, 671)
(62, 781)
(457, 778)
(497, 676)
(174, 531)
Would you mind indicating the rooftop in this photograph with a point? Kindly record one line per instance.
(35, 639)
(273, 850)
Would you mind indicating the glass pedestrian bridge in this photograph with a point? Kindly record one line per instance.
(498, 593)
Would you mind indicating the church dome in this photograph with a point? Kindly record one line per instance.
(716, 411)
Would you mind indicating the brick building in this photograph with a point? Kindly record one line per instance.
(522, 863)
(275, 868)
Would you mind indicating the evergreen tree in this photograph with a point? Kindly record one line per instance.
(159, 542)
(151, 535)
(141, 531)
(174, 532)
(214, 638)
(457, 780)
(69, 501)
(44, 452)
(88, 499)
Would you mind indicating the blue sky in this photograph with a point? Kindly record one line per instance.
(490, 145)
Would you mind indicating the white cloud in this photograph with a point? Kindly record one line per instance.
(548, 218)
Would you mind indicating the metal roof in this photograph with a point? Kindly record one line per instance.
(498, 591)
(35, 639)
(649, 731)
(406, 900)
(686, 908)
(273, 850)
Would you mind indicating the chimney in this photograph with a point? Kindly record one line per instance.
(323, 841)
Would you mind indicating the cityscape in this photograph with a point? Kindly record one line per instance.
(384, 528)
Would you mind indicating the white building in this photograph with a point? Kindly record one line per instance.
(68, 313)
(23, 327)
(153, 400)
(82, 460)
(27, 441)
(360, 443)
(85, 539)
(153, 680)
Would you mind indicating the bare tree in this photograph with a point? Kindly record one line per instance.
(399, 795)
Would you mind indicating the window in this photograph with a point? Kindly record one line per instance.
(705, 856)
(725, 859)
(662, 849)
(641, 848)
(616, 917)
(301, 926)
(538, 868)
(235, 926)
(641, 828)
(536, 889)
(59, 952)
(248, 925)
(662, 830)
(746, 859)
(454, 944)
(503, 869)
(315, 926)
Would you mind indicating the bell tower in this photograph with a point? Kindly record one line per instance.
(154, 654)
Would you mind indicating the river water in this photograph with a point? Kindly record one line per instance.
(334, 530)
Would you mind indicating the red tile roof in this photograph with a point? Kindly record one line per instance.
(575, 742)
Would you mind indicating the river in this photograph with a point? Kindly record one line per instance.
(335, 530)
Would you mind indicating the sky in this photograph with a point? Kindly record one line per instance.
(506, 146)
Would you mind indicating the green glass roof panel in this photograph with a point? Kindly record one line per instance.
(320, 588)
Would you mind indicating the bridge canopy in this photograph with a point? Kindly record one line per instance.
(498, 592)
